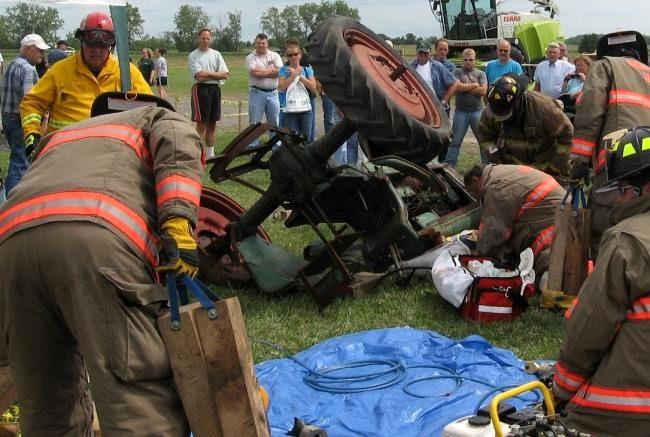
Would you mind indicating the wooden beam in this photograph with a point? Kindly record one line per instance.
(231, 372)
(190, 372)
(577, 251)
(213, 368)
(558, 249)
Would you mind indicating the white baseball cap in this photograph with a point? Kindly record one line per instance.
(34, 40)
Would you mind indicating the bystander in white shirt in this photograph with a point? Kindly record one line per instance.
(550, 77)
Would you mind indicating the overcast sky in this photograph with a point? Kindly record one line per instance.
(391, 17)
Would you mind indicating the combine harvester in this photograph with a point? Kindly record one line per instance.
(479, 24)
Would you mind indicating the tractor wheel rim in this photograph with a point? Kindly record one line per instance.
(388, 71)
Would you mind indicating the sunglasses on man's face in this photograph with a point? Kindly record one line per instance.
(293, 54)
(469, 60)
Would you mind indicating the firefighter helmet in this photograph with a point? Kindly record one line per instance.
(630, 155)
(624, 43)
(96, 28)
(502, 97)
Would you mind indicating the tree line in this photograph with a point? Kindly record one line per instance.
(587, 42)
(292, 21)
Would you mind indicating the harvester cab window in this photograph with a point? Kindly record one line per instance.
(468, 19)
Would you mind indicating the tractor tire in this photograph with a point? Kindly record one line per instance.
(378, 91)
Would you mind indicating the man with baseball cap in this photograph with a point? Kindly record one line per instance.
(19, 79)
(524, 127)
(58, 53)
(438, 78)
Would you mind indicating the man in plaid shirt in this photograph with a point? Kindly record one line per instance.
(19, 78)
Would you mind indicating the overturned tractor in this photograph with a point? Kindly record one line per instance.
(390, 208)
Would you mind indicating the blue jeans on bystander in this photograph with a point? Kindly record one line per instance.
(298, 121)
(462, 120)
(331, 114)
(18, 159)
(262, 103)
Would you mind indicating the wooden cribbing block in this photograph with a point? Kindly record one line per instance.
(577, 251)
(230, 369)
(190, 372)
(558, 249)
(216, 354)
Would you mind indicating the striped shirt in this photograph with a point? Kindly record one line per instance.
(19, 78)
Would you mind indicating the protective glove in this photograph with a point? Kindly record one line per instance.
(31, 141)
(578, 170)
(178, 248)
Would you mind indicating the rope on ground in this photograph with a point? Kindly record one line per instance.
(393, 373)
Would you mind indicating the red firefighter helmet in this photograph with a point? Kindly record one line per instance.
(96, 28)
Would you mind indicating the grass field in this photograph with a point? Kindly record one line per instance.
(294, 321)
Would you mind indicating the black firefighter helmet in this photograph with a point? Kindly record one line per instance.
(502, 96)
(630, 155)
(624, 43)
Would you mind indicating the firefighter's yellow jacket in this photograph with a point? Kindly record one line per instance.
(518, 208)
(129, 172)
(604, 365)
(68, 90)
(615, 96)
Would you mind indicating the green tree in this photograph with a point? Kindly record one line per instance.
(272, 24)
(299, 21)
(134, 23)
(189, 20)
(234, 24)
(339, 7)
(308, 13)
(72, 40)
(588, 43)
(25, 18)
(164, 40)
(5, 42)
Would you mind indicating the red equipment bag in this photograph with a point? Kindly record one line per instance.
(494, 299)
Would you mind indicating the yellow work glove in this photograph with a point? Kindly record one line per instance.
(179, 254)
(31, 141)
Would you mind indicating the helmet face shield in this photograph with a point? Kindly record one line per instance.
(98, 37)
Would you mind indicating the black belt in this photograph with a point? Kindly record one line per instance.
(263, 89)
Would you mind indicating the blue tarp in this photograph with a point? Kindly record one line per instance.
(390, 411)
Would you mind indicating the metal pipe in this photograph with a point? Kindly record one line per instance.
(324, 147)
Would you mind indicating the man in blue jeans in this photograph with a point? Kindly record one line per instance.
(263, 67)
(472, 87)
(18, 80)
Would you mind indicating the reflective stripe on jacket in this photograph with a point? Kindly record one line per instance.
(68, 90)
(518, 207)
(616, 95)
(129, 172)
(604, 363)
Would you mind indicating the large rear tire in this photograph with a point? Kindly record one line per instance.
(378, 91)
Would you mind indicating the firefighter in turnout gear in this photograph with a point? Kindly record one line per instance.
(615, 96)
(518, 205)
(525, 128)
(80, 239)
(602, 370)
(68, 90)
